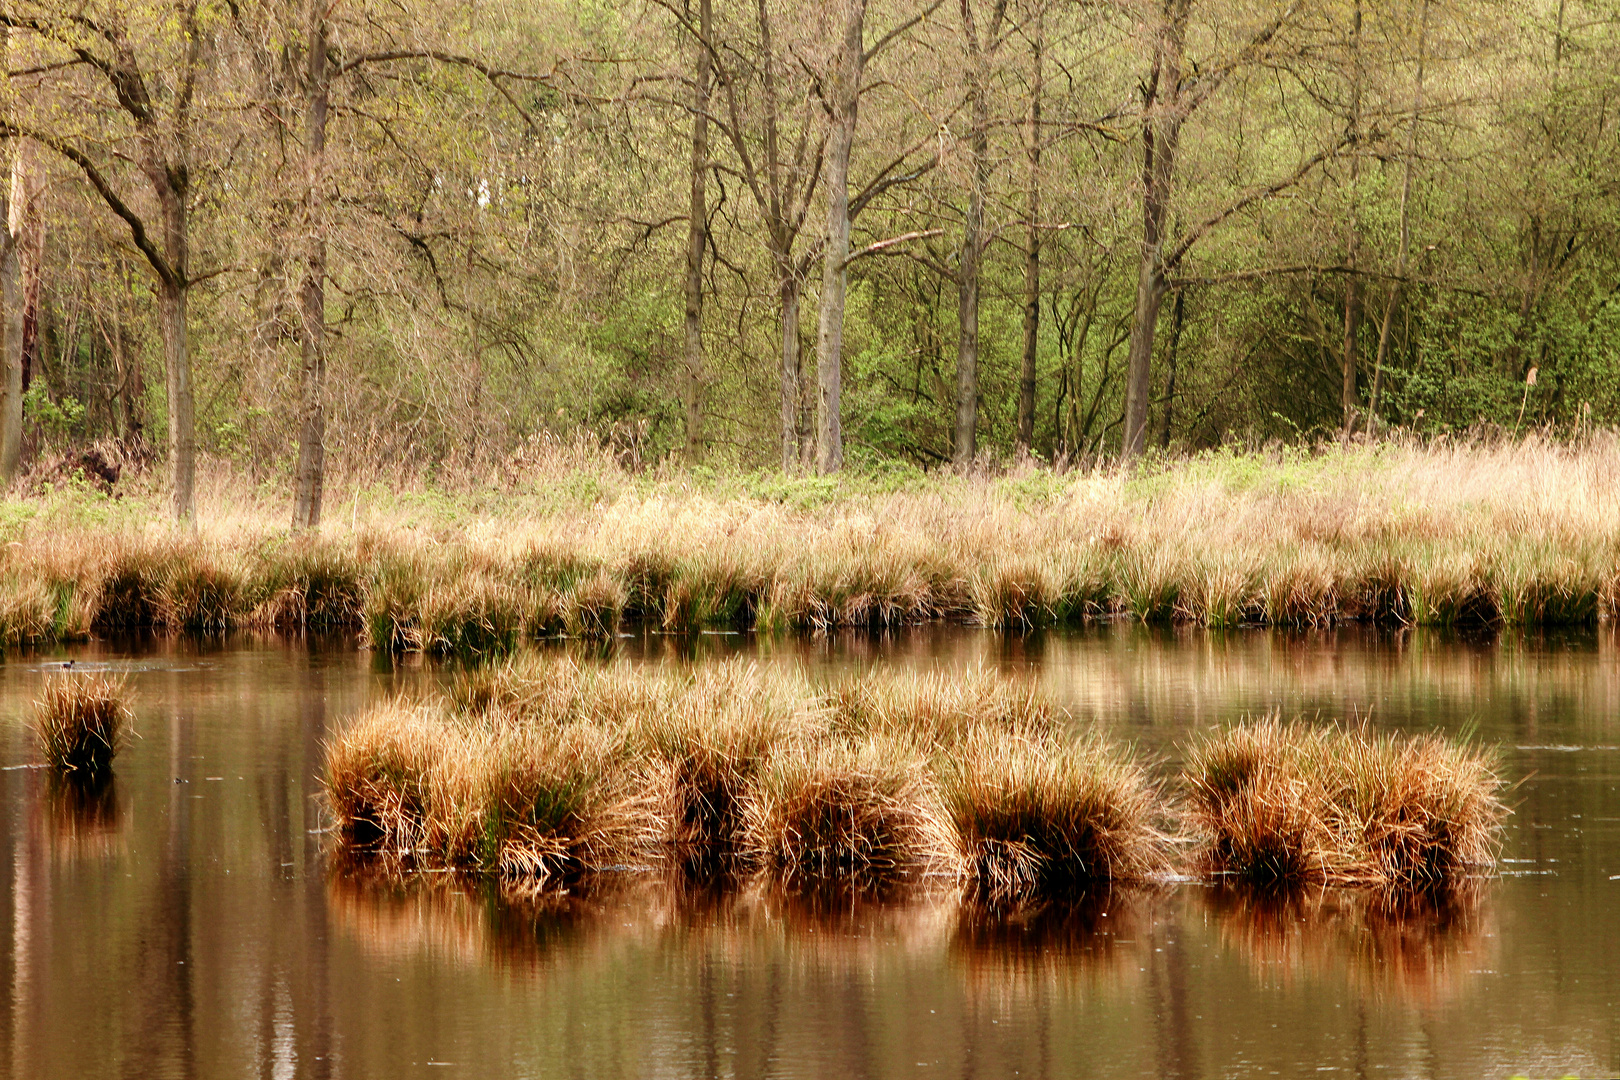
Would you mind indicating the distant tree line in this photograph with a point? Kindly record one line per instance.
(776, 232)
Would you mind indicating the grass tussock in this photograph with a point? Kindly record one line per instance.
(521, 800)
(1031, 814)
(1278, 801)
(1516, 533)
(81, 722)
(543, 768)
(835, 810)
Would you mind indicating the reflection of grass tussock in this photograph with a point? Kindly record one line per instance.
(83, 821)
(81, 722)
(1291, 802)
(1088, 937)
(542, 767)
(1413, 946)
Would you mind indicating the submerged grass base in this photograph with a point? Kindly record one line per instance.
(542, 768)
(1521, 533)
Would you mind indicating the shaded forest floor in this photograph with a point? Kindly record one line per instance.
(563, 541)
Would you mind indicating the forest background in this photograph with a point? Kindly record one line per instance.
(400, 239)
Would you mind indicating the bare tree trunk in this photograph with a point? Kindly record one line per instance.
(1032, 256)
(1406, 220)
(172, 298)
(11, 390)
(131, 377)
(27, 226)
(697, 238)
(788, 295)
(1352, 289)
(965, 443)
(843, 93)
(1161, 134)
(311, 476)
(1178, 320)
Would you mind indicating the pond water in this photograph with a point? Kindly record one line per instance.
(190, 922)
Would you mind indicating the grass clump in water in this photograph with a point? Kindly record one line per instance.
(522, 799)
(1026, 814)
(81, 723)
(1286, 802)
(836, 810)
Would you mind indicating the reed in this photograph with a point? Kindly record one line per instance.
(1286, 802)
(81, 722)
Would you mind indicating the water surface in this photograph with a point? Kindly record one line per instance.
(188, 921)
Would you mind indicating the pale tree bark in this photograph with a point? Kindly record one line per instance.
(26, 221)
(1169, 97)
(10, 347)
(1406, 221)
(980, 55)
(792, 364)
(310, 480)
(1163, 113)
(162, 154)
(1352, 289)
(842, 94)
(1032, 253)
(697, 236)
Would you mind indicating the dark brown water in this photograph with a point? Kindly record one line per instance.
(186, 922)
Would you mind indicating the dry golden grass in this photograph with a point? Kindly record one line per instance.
(81, 722)
(1290, 802)
(542, 768)
(833, 809)
(1029, 814)
(1525, 532)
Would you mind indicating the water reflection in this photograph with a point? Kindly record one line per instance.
(82, 821)
(1422, 948)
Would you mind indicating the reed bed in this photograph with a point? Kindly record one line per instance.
(1519, 533)
(541, 769)
(1276, 801)
(81, 722)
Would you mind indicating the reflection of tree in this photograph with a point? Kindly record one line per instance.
(1415, 947)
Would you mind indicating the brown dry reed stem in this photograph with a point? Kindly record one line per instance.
(1518, 533)
(81, 722)
(1289, 802)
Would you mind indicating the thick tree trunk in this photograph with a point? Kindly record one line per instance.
(1406, 223)
(1178, 320)
(697, 239)
(1032, 254)
(172, 298)
(1352, 289)
(965, 441)
(1161, 135)
(843, 96)
(11, 389)
(788, 296)
(310, 481)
